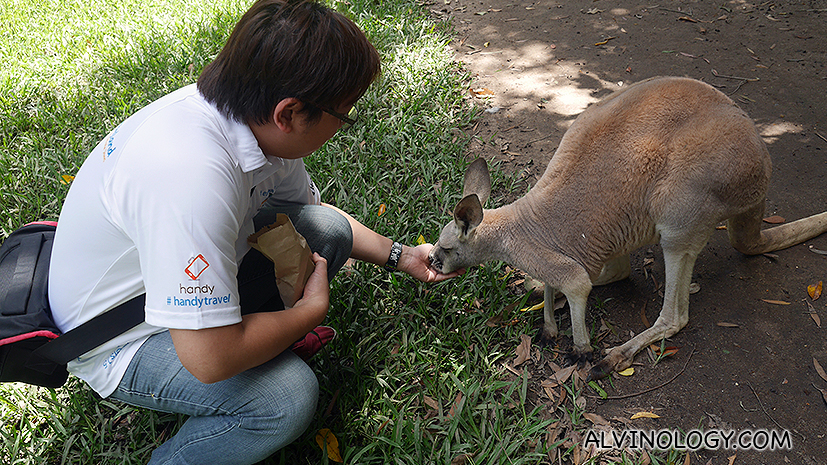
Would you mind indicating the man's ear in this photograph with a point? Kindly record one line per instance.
(284, 115)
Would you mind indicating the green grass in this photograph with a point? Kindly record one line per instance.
(415, 376)
(73, 70)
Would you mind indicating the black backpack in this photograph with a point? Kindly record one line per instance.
(32, 350)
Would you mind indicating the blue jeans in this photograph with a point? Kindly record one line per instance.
(246, 418)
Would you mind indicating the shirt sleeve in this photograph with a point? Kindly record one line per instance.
(184, 213)
(290, 185)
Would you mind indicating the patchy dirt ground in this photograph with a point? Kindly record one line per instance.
(743, 363)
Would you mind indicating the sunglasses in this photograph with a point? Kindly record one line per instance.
(348, 120)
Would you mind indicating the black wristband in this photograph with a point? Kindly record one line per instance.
(393, 258)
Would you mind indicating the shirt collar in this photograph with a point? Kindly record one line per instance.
(248, 153)
(244, 146)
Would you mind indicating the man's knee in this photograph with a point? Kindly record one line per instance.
(293, 402)
(326, 232)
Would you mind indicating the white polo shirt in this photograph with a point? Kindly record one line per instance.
(163, 205)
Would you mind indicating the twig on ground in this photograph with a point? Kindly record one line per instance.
(761, 404)
(538, 140)
(515, 126)
(715, 73)
(677, 11)
(742, 79)
(745, 409)
(739, 86)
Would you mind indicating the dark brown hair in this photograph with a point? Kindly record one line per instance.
(289, 48)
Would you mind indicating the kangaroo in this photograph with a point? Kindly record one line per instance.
(664, 160)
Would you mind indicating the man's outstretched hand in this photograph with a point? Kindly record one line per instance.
(415, 262)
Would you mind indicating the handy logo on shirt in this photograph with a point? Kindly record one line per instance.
(197, 266)
(110, 145)
(198, 294)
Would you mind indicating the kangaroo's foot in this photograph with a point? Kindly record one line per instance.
(613, 361)
(579, 357)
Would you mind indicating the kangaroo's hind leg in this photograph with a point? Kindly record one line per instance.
(679, 253)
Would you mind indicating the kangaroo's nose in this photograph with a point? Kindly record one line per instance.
(435, 263)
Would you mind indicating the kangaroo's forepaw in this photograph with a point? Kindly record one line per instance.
(544, 339)
(547, 335)
(579, 357)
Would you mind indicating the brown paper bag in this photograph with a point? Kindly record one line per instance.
(290, 254)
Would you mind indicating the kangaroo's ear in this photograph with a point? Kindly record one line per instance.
(477, 181)
(467, 216)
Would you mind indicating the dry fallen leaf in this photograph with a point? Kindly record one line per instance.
(559, 377)
(818, 251)
(667, 351)
(726, 324)
(523, 350)
(579, 401)
(482, 92)
(430, 402)
(550, 393)
(596, 419)
(813, 314)
(539, 306)
(327, 441)
(774, 219)
(462, 459)
(775, 302)
(494, 321)
(645, 415)
(819, 369)
(823, 393)
(627, 372)
(815, 290)
(456, 406)
(643, 316)
(732, 459)
(575, 454)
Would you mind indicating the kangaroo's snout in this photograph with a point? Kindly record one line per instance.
(436, 262)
